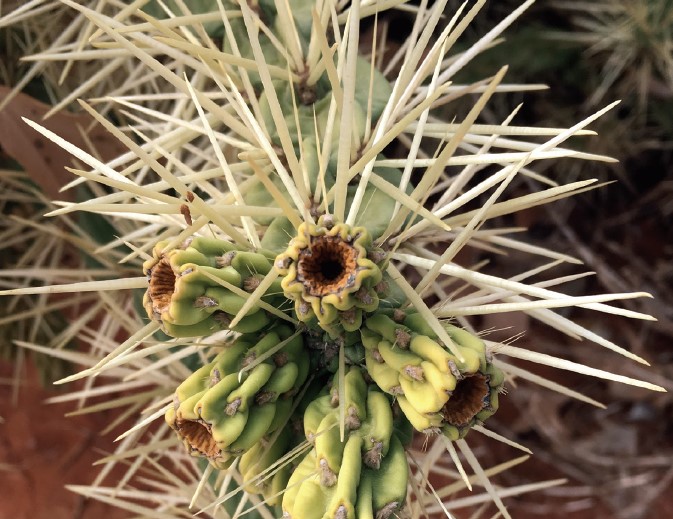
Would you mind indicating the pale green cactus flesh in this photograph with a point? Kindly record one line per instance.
(223, 409)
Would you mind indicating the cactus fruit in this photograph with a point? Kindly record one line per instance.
(222, 410)
(190, 288)
(364, 475)
(332, 273)
(435, 390)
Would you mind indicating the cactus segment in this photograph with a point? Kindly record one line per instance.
(221, 412)
(184, 294)
(255, 463)
(328, 273)
(370, 458)
(359, 491)
(435, 390)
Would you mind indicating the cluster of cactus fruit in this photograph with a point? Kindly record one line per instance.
(279, 382)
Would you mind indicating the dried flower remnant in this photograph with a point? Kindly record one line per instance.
(329, 274)
(471, 396)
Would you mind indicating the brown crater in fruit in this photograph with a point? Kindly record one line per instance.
(162, 286)
(327, 266)
(198, 436)
(468, 398)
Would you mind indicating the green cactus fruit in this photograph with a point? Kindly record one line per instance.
(327, 349)
(190, 291)
(342, 503)
(229, 405)
(332, 273)
(435, 390)
(329, 449)
(338, 464)
(311, 501)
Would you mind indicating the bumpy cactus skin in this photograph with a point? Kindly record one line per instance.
(260, 458)
(331, 273)
(365, 475)
(221, 412)
(435, 390)
(186, 292)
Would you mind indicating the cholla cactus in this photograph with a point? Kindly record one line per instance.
(270, 209)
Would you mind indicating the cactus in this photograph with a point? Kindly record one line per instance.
(300, 198)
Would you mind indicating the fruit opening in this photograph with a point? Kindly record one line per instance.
(162, 285)
(468, 398)
(327, 266)
(198, 436)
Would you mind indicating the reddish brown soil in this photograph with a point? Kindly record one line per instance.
(41, 451)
